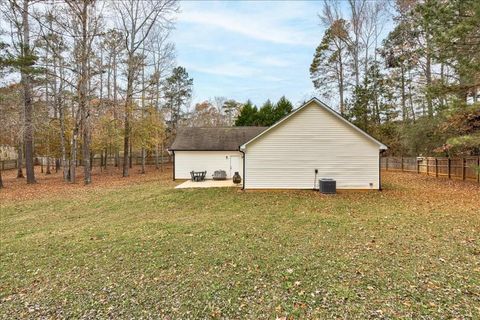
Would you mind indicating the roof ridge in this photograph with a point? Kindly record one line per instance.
(223, 127)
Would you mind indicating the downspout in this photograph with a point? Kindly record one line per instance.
(243, 173)
(173, 153)
(380, 170)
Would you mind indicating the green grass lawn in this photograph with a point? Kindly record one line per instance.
(149, 251)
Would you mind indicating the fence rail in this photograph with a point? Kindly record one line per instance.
(97, 161)
(466, 168)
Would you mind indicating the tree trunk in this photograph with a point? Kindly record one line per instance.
(126, 142)
(65, 166)
(404, 102)
(129, 95)
(101, 76)
(341, 87)
(128, 114)
(26, 80)
(73, 157)
(48, 166)
(91, 160)
(156, 157)
(128, 111)
(82, 101)
(48, 158)
(115, 106)
(428, 75)
(109, 78)
(131, 156)
(143, 111)
(410, 95)
(143, 160)
(157, 107)
(105, 160)
(161, 159)
(20, 161)
(68, 175)
(61, 113)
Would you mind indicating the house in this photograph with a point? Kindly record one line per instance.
(210, 149)
(310, 143)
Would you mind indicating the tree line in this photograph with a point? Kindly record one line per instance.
(89, 77)
(416, 90)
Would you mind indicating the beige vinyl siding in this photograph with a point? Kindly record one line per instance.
(186, 161)
(313, 138)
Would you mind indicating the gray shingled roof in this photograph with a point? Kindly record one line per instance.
(214, 139)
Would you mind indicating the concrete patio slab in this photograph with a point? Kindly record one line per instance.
(208, 184)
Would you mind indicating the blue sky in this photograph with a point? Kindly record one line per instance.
(248, 50)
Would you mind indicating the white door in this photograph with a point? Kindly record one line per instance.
(235, 165)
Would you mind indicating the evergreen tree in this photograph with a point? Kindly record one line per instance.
(21, 56)
(398, 51)
(328, 68)
(248, 115)
(282, 108)
(178, 91)
(266, 114)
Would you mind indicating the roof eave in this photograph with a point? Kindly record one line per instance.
(202, 149)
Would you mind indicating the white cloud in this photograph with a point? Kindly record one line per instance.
(274, 61)
(272, 25)
(229, 70)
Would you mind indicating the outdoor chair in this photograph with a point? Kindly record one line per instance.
(198, 176)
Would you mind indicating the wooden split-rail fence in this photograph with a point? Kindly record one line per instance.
(465, 168)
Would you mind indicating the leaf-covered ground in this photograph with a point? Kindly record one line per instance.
(145, 250)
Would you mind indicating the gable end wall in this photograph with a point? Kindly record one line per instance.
(286, 157)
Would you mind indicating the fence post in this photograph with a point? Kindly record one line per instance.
(386, 163)
(428, 168)
(449, 164)
(418, 165)
(436, 167)
(402, 162)
(3, 165)
(464, 164)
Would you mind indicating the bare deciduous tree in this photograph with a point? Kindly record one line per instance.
(137, 19)
(85, 24)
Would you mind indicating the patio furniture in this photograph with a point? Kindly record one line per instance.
(198, 176)
(219, 175)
